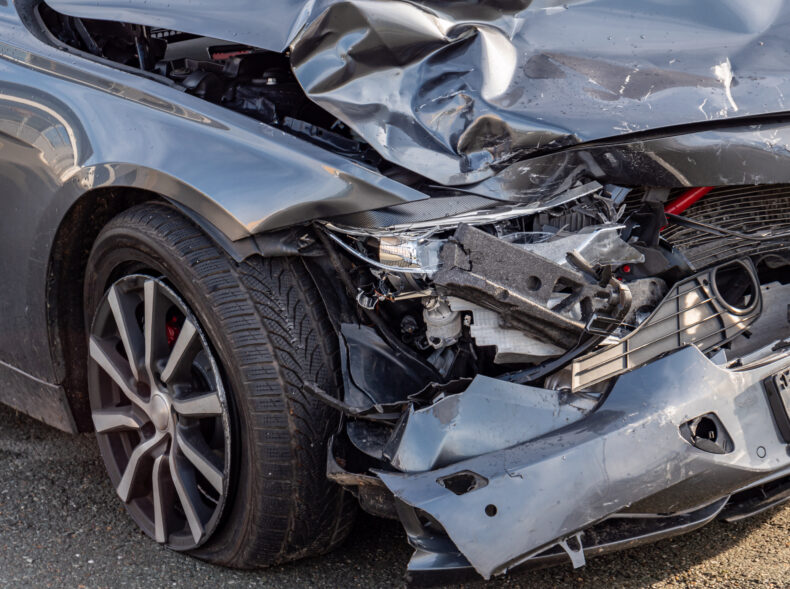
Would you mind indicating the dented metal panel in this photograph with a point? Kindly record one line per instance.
(628, 450)
(542, 103)
(457, 91)
(268, 25)
(499, 414)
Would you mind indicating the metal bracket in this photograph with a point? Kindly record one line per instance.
(576, 554)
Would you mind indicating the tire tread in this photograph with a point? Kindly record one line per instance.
(276, 330)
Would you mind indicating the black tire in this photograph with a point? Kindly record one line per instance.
(268, 330)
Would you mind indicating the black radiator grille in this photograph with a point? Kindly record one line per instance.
(746, 209)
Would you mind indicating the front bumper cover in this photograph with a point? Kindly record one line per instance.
(633, 454)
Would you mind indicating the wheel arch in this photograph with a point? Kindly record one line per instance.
(77, 231)
(68, 258)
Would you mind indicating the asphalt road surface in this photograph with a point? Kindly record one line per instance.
(61, 525)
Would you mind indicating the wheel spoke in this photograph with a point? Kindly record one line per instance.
(133, 467)
(116, 368)
(125, 320)
(154, 327)
(202, 405)
(202, 458)
(160, 476)
(115, 420)
(186, 346)
(188, 502)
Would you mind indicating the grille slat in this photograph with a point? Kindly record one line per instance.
(760, 210)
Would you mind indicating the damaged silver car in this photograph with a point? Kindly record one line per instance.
(514, 272)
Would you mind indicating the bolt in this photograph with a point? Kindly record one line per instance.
(408, 325)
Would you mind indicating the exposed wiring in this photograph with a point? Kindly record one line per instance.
(378, 322)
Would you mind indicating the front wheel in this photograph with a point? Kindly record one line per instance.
(195, 375)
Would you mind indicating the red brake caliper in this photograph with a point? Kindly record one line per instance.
(173, 330)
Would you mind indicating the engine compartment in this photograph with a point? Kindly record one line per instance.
(255, 82)
(516, 292)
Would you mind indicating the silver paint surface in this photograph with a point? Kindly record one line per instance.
(629, 450)
(509, 98)
(458, 90)
(70, 125)
(460, 426)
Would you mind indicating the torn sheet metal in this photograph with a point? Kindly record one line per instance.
(456, 91)
(432, 214)
(629, 450)
(754, 153)
(490, 415)
(611, 535)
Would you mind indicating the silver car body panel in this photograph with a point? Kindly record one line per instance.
(628, 451)
(457, 90)
(70, 125)
(499, 97)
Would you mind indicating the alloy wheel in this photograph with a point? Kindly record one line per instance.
(160, 411)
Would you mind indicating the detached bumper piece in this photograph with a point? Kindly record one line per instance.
(652, 434)
(639, 453)
(611, 535)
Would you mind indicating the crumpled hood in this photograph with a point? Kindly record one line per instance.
(457, 89)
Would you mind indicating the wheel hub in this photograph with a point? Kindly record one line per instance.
(160, 411)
